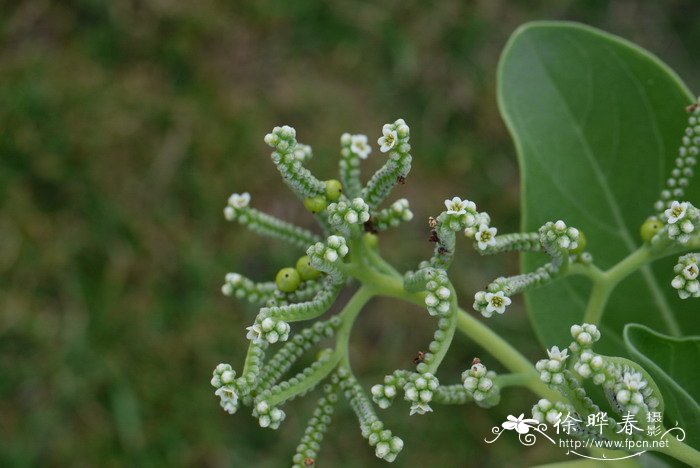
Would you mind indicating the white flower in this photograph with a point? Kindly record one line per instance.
(239, 200)
(388, 141)
(485, 236)
(420, 408)
(254, 333)
(676, 212)
(520, 424)
(456, 206)
(229, 399)
(556, 354)
(359, 146)
(497, 302)
(691, 271)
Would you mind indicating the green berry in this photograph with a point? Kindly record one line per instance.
(315, 204)
(306, 271)
(288, 280)
(581, 247)
(649, 229)
(333, 189)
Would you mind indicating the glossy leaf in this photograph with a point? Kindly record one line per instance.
(674, 364)
(596, 123)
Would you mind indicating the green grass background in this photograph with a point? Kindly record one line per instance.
(125, 125)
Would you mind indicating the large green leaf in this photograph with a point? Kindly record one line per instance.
(596, 123)
(674, 364)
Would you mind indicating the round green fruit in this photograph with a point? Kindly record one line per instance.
(649, 229)
(333, 189)
(315, 204)
(288, 280)
(306, 271)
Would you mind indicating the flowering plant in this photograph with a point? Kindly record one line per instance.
(575, 235)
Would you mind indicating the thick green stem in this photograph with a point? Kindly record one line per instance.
(597, 301)
(682, 452)
(510, 357)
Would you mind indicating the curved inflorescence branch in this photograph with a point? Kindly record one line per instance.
(554, 238)
(386, 445)
(352, 149)
(394, 140)
(238, 210)
(684, 167)
(629, 388)
(399, 212)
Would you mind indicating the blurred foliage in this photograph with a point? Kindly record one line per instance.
(125, 125)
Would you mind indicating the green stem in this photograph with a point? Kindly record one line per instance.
(485, 337)
(597, 301)
(348, 316)
(682, 452)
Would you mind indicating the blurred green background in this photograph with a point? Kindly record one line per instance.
(125, 125)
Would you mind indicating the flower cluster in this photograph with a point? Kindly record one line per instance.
(343, 215)
(552, 370)
(546, 411)
(684, 163)
(383, 394)
(681, 218)
(687, 272)
(268, 416)
(438, 300)
(295, 175)
(478, 381)
(584, 335)
(628, 391)
(394, 140)
(419, 391)
(626, 385)
(325, 257)
(557, 234)
(397, 213)
(590, 364)
(268, 330)
(224, 380)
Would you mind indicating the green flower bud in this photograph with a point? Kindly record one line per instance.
(315, 204)
(333, 189)
(649, 229)
(288, 279)
(581, 247)
(306, 271)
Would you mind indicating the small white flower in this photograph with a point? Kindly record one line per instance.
(676, 212)
(497, 302)
(239, 200)
(691, 271)
(359, 146)
(420, 408)
(388, 140)
(456, 206)
(485, 236)
(254, 333)
(556, 354)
